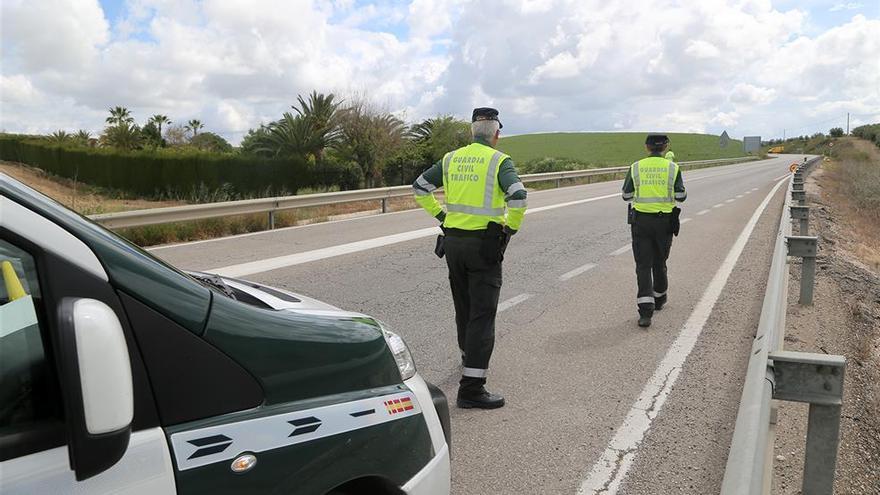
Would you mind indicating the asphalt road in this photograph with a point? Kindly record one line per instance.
(594, 402)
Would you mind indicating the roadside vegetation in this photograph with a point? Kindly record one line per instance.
(854, 182)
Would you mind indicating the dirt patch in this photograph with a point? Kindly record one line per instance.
(844, 320)
(77, 196)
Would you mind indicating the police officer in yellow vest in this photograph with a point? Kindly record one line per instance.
(653, 185)
(478, 182)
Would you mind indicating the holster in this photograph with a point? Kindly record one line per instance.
(630, 214)
(494, 243)
(676, 221)
(440, 246)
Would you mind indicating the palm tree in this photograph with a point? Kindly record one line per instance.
(194, 126)
(290, 136)
(159, 120)
(320, 112)
(125, 136)
(83, 137)
(119, 115)
(60, 137)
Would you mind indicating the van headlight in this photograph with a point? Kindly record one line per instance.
(401, 353)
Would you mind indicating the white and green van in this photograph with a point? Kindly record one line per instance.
(121, 374)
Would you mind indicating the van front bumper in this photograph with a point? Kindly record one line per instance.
(435, 477)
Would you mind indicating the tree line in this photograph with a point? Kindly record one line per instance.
(321, 129)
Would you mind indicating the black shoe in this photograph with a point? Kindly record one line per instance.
(659, 303)
(645, 321)
(479, 400)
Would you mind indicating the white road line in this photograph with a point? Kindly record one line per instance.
(608, 473)
(731, 200)
(780, 177)
(269, 264)
(571, 203)
(754, 189)
(719, 205)
(577, 271)
(748, 192)
(703, 212)
(618, 252)
(685, 220)
(739, 196)
(277, 262)
(513, 301)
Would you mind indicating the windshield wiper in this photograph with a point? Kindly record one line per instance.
(214, 283)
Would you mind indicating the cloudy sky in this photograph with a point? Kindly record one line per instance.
(751, 67)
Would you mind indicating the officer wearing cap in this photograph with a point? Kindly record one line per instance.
(653, 185)
(669, 156)
(485, 204)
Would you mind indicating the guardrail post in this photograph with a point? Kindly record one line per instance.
(816, 379)
(384, 205)
(271, 219)
(558, 183)
(801, 213)
(806, 248)
(799, 196)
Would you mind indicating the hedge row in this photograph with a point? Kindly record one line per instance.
(163, 173)
(871, 132)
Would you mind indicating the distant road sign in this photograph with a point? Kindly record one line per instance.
(722, 142)
(792, 167)
(751, 143)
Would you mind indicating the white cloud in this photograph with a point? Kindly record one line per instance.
(745, 65)
(845, 6)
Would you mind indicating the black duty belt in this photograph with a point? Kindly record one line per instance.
(658, 214)
(452, 232)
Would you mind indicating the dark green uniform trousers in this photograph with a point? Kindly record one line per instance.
(476, 286)
(651, 243)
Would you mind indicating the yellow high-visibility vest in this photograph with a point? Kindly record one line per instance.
(654, 181)
(470, 181)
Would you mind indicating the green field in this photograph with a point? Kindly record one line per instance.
(611, 148)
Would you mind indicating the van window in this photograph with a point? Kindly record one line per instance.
(29, 398)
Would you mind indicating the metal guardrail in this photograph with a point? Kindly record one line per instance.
(137, 218)
(776, 374)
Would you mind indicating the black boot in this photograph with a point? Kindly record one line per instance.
(659, 302)
(644, 321)
(478, 398)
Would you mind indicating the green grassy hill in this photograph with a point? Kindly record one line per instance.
(612, 148)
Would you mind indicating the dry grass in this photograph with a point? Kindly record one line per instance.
(79, 197)
(853, 182)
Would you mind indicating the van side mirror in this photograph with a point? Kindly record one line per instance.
(95, 376)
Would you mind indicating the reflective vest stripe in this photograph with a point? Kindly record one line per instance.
(670, 182)
(515, 187)
(475, 210)
(491, 177)
(446, 161)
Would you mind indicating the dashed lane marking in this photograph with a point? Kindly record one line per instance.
(513, 301)
(719, 205)
(577, 271)
(739, 196)
(731, 200)
(622, 250)
(609, 472)
(703, 212)
(685, 220)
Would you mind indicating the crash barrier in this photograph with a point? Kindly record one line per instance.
(775, 374)
(270, 206)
